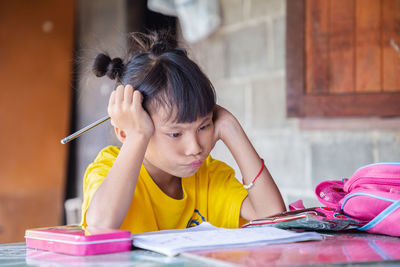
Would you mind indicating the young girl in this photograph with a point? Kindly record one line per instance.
(164, 113)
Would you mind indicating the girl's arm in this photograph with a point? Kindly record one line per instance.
(134, 127)
(264, 198)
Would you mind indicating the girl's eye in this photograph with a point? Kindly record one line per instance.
(204, 127)
(174, 135)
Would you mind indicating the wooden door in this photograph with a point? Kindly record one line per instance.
(343, 58)
(36, 49)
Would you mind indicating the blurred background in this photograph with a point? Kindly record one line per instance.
(315, 84)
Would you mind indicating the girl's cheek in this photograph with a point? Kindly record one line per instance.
(212, 128)
(209, 137)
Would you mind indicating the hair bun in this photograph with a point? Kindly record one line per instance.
(162, 46)
(104, 65)
(163, 42)
(156, 43)
(153, 42)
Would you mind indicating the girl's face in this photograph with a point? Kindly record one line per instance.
(178, 149)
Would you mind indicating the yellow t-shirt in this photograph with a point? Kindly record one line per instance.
(212, 194)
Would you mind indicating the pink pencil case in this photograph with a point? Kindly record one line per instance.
(77, 240)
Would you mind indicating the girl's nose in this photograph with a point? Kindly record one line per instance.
(193, 147)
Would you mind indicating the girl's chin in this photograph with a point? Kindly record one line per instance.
(187, 173)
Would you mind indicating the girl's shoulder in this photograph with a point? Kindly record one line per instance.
(107, 153)
(99, 168)
(216, 175)
(216, 166)
(103, 161)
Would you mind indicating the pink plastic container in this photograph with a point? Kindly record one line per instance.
(76, 240)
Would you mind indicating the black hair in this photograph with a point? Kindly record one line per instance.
(163, 73)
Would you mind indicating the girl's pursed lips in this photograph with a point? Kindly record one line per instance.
(195, 164)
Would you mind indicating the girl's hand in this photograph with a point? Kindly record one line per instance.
(224, 123)
(127, 113)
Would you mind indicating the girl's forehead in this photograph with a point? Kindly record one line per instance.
(166, 117)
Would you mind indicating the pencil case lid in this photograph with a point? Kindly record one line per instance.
(76, 233)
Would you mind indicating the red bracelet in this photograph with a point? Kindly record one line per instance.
(255, 178)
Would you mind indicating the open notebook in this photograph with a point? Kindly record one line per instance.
(206, 236)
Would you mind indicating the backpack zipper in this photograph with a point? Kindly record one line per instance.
(378, 163)
(380, 181)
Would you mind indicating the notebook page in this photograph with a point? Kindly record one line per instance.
(173, 243)
(204, 226)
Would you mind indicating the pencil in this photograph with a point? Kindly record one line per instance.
(84, 130)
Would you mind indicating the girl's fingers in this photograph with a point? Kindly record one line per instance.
(119, 94)
(137, 98)
(128, 93)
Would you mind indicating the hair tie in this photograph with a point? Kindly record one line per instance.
(115, 69)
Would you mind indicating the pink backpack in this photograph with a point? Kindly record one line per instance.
(371, 194)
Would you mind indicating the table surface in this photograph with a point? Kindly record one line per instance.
(344, 249)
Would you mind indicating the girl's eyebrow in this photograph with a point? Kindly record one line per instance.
(179, 126)
(206, 119)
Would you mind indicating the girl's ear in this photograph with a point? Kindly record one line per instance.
(121, 135)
